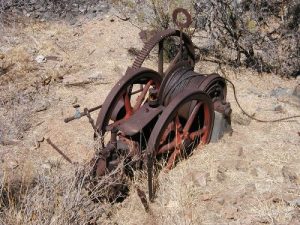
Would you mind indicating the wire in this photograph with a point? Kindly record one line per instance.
(254, 118)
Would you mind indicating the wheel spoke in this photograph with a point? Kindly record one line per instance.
(167, 147)
(142, 96)
(191, 119)
(197, 134)
(128, 106)
(170, 128)
(172, 159)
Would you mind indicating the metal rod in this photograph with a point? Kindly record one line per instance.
(161, 58)
(59, 151)
(67, 120)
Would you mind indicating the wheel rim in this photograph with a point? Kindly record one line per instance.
(173, 132)
(118, 103)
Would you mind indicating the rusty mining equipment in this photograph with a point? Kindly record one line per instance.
(153, 116)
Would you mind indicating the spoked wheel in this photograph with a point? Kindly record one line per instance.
(184, 124)
(125, 98)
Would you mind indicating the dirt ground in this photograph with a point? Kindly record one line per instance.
(248, 177)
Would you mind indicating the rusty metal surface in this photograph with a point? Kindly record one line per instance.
(160, 36)
(176, 15)
(182, 131)
(172, 114)
(140, 119)
(118, 91)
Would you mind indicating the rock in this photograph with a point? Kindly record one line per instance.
(200, 178)
(278, 92)
(253, 172)
(298, 79)
(240, 152)
(13, 164)
(296, 91)
(240, 119)
(289, 175)
(220, 200)
(95, 76)
(242, 165)
(220, 127)
(41, 107)
(230, 212)
(295, 220)
(221, 176)
(278, 108)
(40, 59)
(295, 202)
(250, 188)
(2, 56)
(46, 166)
(206, 197)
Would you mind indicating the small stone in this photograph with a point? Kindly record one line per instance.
(220, 200)
(95, 77)
(40, 138)
(221, 177)
(278, 108)
(230, 212)
(2, 56)
(250, 188)
(206, 197)
(41, 107)
(298, 79)
(40, 59)
(278, 92)
(253, 172)
(241, 119)
(242, 165)
(240, 152)
(295, 202)
(200, 178)
(222, 168)
(289, 175)
(297, 91)
(13, 164)
(46, 166)
(276, 200)
(295, 220)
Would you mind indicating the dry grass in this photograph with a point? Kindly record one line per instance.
(54, 197)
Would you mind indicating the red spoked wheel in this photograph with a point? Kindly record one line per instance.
(184, 124)
(123, 100)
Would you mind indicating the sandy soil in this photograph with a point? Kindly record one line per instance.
(249, 177)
